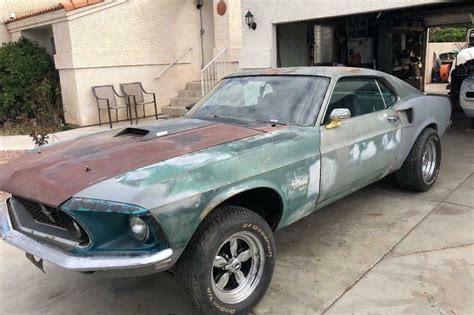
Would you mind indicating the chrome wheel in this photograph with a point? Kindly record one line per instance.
(238, 267)
(428, 164)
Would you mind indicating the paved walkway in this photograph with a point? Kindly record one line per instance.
(24, 142)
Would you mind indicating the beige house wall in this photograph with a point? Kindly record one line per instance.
(125, 41)
(19, 7)
(259, 46)
(438, 48)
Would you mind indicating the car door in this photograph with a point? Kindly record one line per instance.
(363, 148)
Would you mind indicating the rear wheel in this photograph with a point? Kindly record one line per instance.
(420, 170)
(228, 265)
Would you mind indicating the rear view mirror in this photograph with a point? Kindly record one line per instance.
(337, 115)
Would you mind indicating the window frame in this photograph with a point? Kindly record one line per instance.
(374, 77)
(312, 123)
(390, 88)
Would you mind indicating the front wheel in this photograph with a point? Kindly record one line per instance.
(420, 170)
(229, 262)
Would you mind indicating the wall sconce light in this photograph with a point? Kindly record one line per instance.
(249, 20)
(199, 4)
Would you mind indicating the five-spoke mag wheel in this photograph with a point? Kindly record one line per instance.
(237, 267)
(228, 264)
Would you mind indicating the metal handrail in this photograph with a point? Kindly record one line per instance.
(214, 59)
(215, 70)
(172, 63)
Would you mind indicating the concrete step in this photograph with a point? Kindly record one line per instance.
(183, 101)
(174, 111)
(190, 94)
(194, 85)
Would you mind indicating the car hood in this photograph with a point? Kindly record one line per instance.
(51, 175)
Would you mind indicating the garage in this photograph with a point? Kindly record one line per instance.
(393, 41)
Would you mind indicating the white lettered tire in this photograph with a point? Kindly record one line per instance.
(228, 264)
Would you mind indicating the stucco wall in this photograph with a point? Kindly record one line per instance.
(438, 48)
(125, 41)
(259, 46)
(19, 7)
(132, 42)
(227, 30)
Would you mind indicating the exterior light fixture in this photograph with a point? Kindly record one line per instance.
(249, 21)
(199, 4)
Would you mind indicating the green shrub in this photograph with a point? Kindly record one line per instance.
(29, 83)
(449, 34)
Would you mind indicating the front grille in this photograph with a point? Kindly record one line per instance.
(42, 214)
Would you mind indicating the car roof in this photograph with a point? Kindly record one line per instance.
(331, 72)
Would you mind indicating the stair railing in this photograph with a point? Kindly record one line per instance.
(175, 60)
(215, 70)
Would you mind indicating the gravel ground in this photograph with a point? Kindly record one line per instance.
(5, 157)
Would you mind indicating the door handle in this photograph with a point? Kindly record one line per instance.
(392, 118)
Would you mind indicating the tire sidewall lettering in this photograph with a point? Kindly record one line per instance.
(215, 302)
(261, 233)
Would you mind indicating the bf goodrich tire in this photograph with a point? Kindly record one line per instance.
(228, 264)
(420, 170)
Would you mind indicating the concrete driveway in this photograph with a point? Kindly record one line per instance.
(381, 250)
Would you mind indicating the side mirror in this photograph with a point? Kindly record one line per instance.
(337, 115)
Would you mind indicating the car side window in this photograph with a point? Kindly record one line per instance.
(388, 95)
(359, 95)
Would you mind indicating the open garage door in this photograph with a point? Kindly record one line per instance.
(392, 41)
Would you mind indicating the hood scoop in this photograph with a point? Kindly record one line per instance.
(133, 132)
(162, 129)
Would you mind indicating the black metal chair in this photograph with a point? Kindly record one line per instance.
(106, 98)
(135, 93)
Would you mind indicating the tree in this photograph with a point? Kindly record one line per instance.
(29, 82)
(449, 34)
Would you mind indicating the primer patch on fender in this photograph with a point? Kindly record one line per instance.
(314, 178)
(328, 174)
(369, 151)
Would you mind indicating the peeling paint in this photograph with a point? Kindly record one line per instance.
(354, 153)
(301, 212)
(369, 151)
(297, 186)
(314, 178)
(328, 173)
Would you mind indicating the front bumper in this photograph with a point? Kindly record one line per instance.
(158, 261)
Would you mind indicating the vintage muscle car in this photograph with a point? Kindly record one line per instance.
(205, 193)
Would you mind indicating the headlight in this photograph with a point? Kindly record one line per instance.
(139, 228)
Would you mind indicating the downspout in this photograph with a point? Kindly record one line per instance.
(200, 4)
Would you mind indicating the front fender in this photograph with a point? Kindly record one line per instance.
(234, 190)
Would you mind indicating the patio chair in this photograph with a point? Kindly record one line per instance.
(136, 95)
(106, 98)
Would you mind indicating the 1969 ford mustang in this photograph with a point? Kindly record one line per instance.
(205, 193)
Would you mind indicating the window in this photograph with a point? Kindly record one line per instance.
(388, 96)
(359, 95)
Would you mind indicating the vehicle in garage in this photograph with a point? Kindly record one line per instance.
(466, 96)
(204, 193)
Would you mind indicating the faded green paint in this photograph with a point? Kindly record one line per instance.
(181, 191)
(309, 167)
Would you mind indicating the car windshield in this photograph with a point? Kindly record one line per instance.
(278, 99)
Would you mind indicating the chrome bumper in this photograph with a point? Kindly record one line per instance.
(158, 261)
